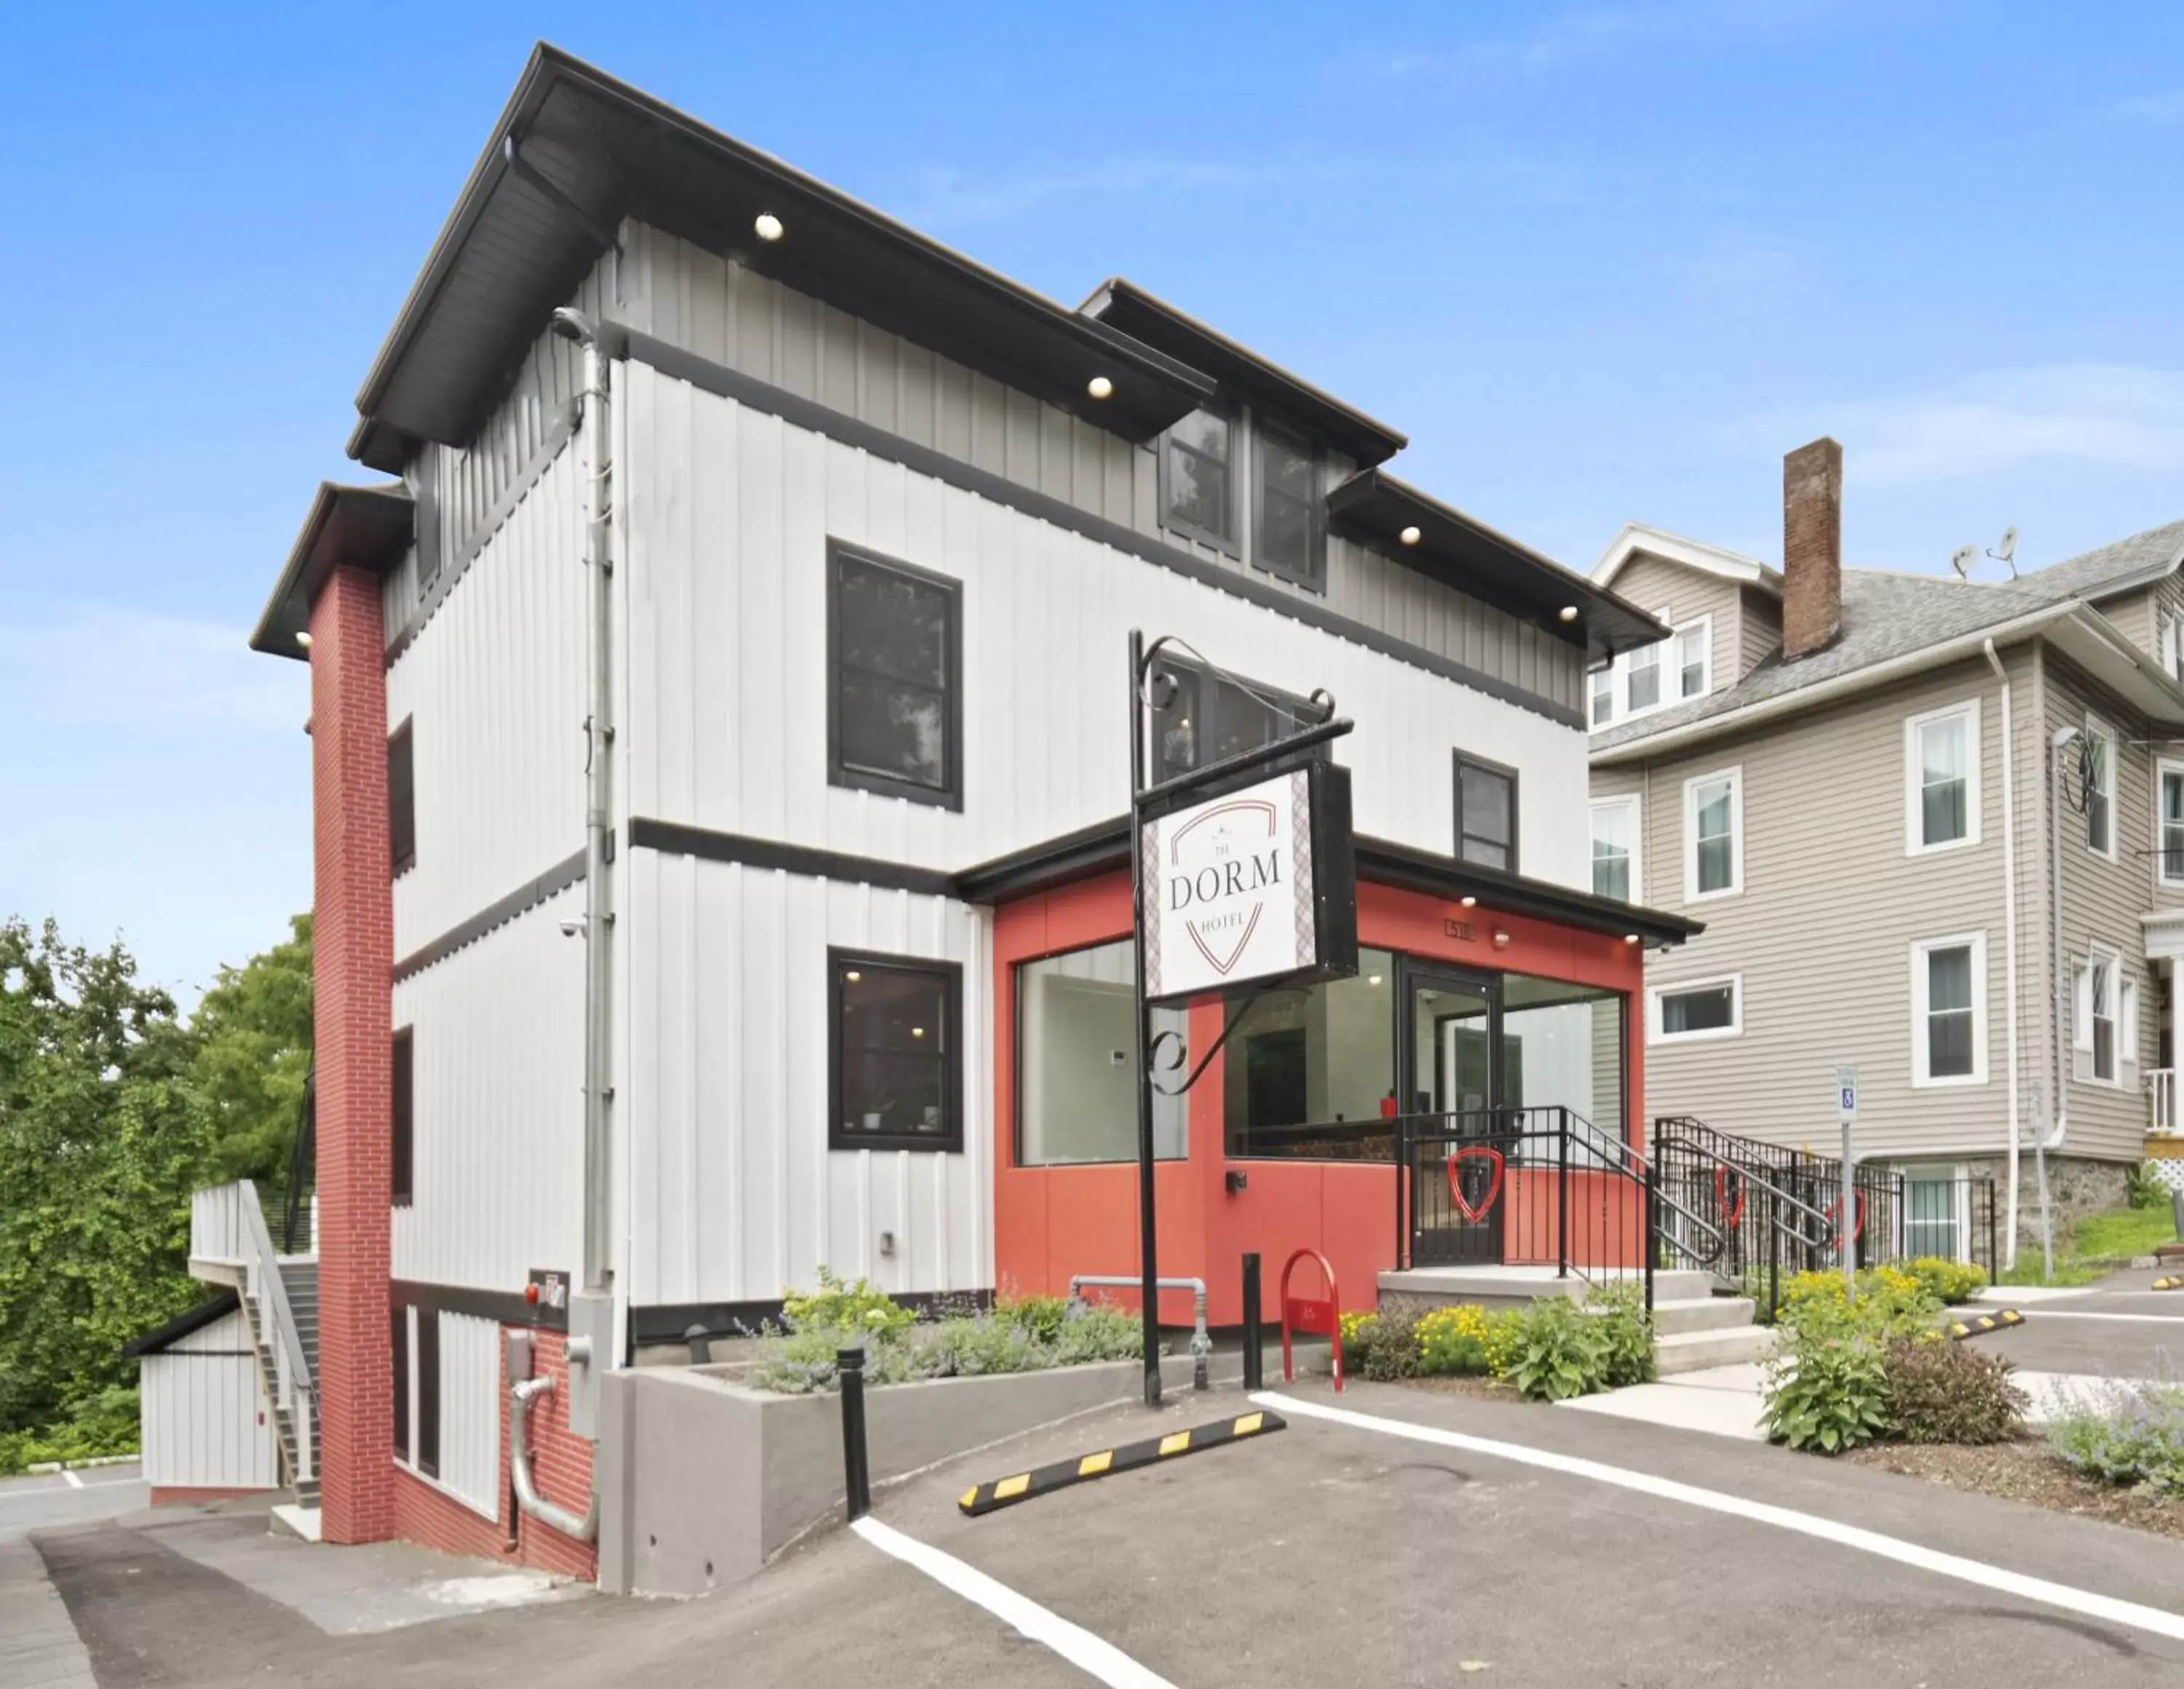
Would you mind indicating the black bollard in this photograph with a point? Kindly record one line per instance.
(855, 1471)
(1254, 1340)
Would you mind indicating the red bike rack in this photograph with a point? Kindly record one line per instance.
(1474, 1213)
(1311, 1318)
(1729, 1215)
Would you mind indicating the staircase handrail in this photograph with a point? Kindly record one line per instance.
(265, 1287)
(1745, 1170)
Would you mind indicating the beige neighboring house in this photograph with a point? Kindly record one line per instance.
(1868, 813)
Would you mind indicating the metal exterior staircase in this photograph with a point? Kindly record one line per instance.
(231, 1243)
(299, 1276)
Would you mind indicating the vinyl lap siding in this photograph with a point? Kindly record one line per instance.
(1823, 930)
(715, 308)
(1760, 628)
(1653, 584)
(727, 516)
(734, 1194)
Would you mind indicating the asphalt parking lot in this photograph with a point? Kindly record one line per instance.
(1547, 1548)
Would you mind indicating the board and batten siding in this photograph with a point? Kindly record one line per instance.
(726, 515)
(1680, 595)
(2103, 902)
(498, 1109)
(204, 1417)
(712, 306)
(494, 691)
(733, 1193)
(1822, 932)
(470, 1412)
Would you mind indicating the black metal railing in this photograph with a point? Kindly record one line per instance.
(295, 1228)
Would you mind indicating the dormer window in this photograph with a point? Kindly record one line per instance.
(1291, 531)
(1198, 495)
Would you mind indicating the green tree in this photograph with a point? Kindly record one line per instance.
(102, 1137)
(254, 1052)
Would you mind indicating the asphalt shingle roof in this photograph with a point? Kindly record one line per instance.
(1888, 616)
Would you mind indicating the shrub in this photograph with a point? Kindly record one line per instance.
(2145, 1191)
(1558, 1351)
(837, 1305)
(1626, 1334)
(1039, 1318)
(796, 1362)
(1941, 1392)
(1453, 1342)
(1827, 1393)
(978, 1347)
(1890, 1303)
(1382, 1347)
(1097, 1332)
(2132, 1435)
(1947, 1281)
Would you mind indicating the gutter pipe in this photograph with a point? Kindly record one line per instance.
(2009, 938)
(549, 1514)
(2058, 800)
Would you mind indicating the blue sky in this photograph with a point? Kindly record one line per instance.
(1600, 262)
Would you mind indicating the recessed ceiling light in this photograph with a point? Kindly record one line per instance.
(766, 226)
(1630, 938)
(304, 639)
(1372, 980)
(1570, 612)
(1410, 536)
(1471, 903)
(853, 976)
(917, 1032)
(1100, 387)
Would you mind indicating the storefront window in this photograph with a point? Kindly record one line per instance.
(1321, 1058)
(1562, 1046)
(1077, 1062)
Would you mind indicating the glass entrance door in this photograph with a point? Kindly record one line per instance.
(1453, 1080)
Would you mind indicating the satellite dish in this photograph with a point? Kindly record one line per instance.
(1962, 559)
(2007, 551)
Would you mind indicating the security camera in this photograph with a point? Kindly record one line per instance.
(571, 928)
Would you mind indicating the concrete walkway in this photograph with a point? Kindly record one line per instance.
(39, 1648)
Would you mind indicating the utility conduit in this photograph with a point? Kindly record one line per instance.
(520, 1394)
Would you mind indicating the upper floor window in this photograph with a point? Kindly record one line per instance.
(1486, 812)
(1615, 849)
(1941, 776)
(2100, 786)
(1641, 686)
(1949, 1011)
(1694, 662)
(1291, 537)
(2172, 645)
(403, 1150)
(401, 801)
(1209, 717)
(1603, 694)
(894, 718)
(1713, 834)
(2169, 825)
(1650, 677)
(1197, 467)
(896, 1073)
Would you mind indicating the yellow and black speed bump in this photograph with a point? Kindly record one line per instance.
(2170, 1284)
(1041, 1480)
(1981, 1324)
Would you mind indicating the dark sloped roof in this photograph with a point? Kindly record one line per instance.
(217, 1306)
(1886, 616)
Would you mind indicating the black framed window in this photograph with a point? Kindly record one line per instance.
(895, 1066)
(1208, 718)
(1198, 469)
(1291, 540)
(1486, 812)
(403, 1153)
(399, 1324)
(894, 696)
(428, 1391)
(401, 801)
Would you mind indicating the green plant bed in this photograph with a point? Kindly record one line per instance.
(2091, 1248)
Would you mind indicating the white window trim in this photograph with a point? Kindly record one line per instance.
(1676, 987)
(1635, 804)
(1921, 1049)
(1704, 624)
(2096, 728)
(1961, 1197)
(1735, 776)
(1669, 662)
(1914, 809)
(2100, 957)
(2163, 766)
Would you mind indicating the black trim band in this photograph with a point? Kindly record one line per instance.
(704, 843)
(619, 339)
(528, 476)
(217, 1306)
(508, 1307)
(530, 895)
(663, 1322)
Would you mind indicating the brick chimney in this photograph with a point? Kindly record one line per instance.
(1812, 547)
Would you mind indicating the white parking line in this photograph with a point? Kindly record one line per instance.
(11, 1492)
(1088, 1654)
(2047, 1314)
(74, 1482)
(2088, 1602)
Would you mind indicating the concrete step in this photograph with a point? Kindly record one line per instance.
(1683, 1352)
(1701, 1314)
(1514, 1286)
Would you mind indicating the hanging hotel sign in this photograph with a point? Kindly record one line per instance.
(1251, 886)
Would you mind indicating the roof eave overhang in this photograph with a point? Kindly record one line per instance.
(364, 527)
(1635, 540)
(215, 1307)
(1103, 848)
(1365, 440)
(1375, 508)
(509, 252)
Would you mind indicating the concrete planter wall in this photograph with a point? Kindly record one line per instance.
(705, 1478)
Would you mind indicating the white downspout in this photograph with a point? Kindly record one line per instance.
(2063, 737)
(2009, 940)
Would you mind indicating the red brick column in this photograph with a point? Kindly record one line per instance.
(352, 1012)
